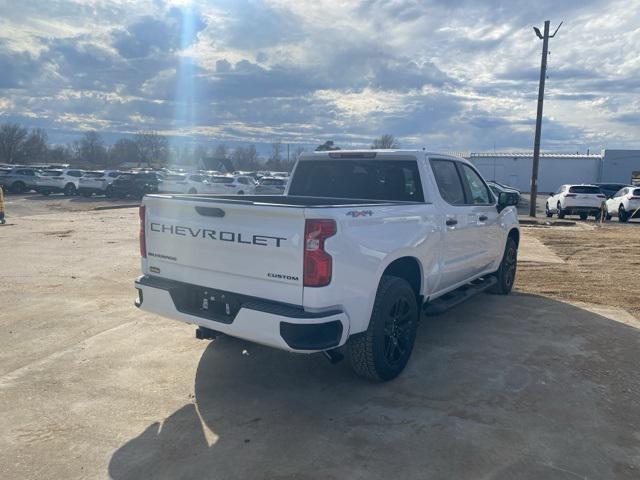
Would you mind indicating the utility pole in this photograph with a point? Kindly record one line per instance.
(536, 143)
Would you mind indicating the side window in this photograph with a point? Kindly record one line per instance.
(243, 181)
(448, 180)
(478, 192)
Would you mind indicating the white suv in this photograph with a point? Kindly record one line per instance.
(184, 183)
(583, 200)
(240, 185)
(624, 204)
(98, 182)
(64, 181)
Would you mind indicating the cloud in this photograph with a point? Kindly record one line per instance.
(455, 75)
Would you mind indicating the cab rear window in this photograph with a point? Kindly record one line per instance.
(584, 189)
(391, 180)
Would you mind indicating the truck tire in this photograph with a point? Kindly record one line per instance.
(383, 350)
(506, 273)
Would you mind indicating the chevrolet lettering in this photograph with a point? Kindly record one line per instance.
(262, 240)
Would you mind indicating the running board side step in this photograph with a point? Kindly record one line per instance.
(456, 297)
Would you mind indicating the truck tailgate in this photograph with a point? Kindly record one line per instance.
(231, 246)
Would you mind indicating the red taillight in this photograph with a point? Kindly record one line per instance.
(569, 194)
(317, 262)
(143, 240)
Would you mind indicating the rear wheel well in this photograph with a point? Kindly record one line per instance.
(515, 234)
(409, 269)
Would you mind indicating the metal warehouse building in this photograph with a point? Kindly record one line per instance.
(616, 166)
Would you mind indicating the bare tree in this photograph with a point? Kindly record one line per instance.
(60, 154)
(245, 158)
(385, 142)
(327, 146)
(92, 149)
(12, 139)
(154, 148)
(35, 148)
(275, 159)
(124, 150)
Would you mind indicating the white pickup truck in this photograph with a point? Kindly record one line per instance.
(358, 245)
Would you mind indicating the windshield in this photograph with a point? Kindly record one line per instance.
(221, 180)
(272, 181)
(585, 189)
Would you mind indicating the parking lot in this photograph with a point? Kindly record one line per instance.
(543, 383)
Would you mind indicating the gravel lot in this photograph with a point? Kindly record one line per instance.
(534, 385)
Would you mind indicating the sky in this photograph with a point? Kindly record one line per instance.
(446, 75)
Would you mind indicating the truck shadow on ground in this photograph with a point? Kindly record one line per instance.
(502, 387)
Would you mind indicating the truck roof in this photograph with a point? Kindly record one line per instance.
(395, 154)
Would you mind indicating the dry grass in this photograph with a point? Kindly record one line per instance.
(602, 265)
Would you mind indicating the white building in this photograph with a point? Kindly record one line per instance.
(615, 166)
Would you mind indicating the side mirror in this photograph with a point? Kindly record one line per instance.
(507, 199)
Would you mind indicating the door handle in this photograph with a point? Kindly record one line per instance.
(210, 212)
(483, 218)
(451, 222)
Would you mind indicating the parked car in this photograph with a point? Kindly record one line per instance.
(610, 189)
(18, 179)
(184, 183)
(362, 241)
(231, 185)
(498, 188)
(624, 204)
(98, 182)
(173, 183)
(280, 174)
(271, 185)
(65, 181)
(583, 200)
(135, 184)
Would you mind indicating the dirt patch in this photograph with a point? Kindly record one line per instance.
(596, 260)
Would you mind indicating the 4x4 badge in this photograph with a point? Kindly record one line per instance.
(359, 213)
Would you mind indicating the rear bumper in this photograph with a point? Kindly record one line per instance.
(278, 325)
(571, 209)
(82, 189)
